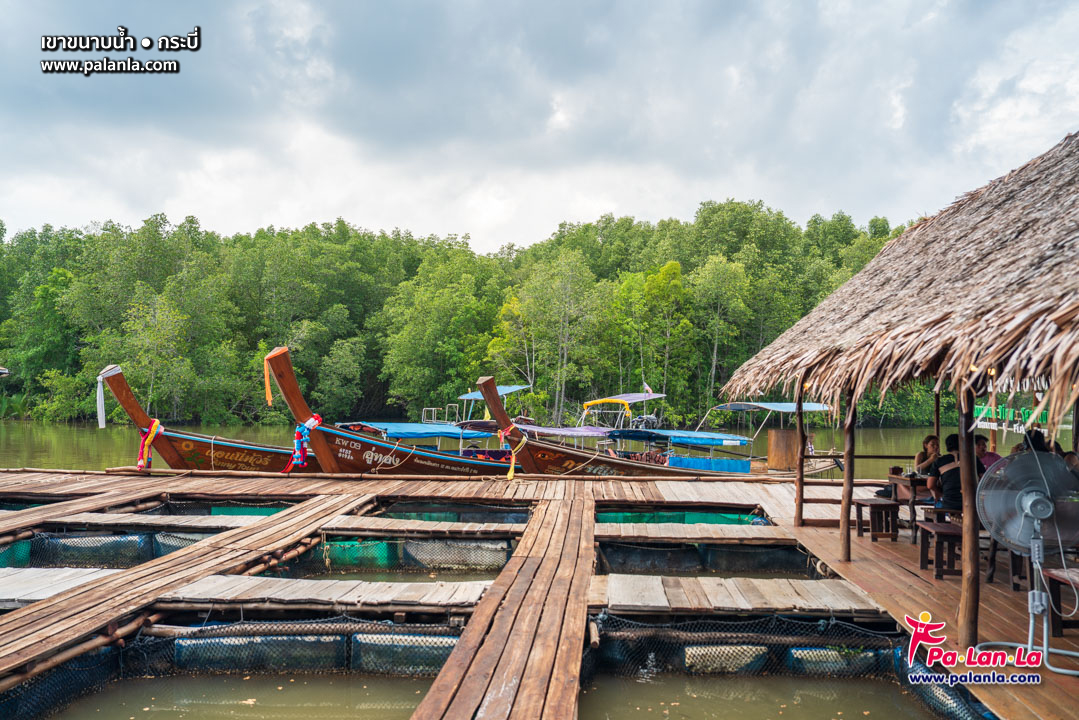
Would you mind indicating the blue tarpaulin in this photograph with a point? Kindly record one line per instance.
(713, 464)
(425, 430)
(503, 390)
(681, 437)
(780, 407)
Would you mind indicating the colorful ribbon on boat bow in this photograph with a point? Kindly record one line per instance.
(302, 438)
(502, 435)
(146, 446)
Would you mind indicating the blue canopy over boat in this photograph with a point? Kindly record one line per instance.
(503, 390)
(681, 437)
(780, 407)
(409, 430)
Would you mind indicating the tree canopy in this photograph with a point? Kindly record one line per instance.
(383, 324)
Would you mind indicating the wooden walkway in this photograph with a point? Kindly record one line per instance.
(45, 627)
(888, 572)
(656, 594)
(520, 654)
(23, 586)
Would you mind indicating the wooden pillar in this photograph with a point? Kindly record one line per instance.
(970, 590)
(799, 470)
(848, 477)
(1075, 427)
(936, 418)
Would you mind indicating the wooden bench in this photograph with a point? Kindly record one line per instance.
(1058, 579)
(883, 518)
(945, 550)
(941, 515)
(1017, 565)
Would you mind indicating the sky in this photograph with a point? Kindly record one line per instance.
(501, 120)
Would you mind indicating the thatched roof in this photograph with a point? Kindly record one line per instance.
(988, 286)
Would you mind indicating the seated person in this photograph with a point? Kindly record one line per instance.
(929, 454)
(944, 476)
(981, 449)
(922, 462)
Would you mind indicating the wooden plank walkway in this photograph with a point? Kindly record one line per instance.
(31, 517)
(741, 596)
(520, 654)
(22, 586)
(888, 572)
(695, 533)
(157, 523)
(364, 526)
(62, 620)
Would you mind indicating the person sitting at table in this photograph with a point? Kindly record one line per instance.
(981, 449)
(944, 476)
(929, 454)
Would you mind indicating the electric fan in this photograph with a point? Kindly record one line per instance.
(1028, 502)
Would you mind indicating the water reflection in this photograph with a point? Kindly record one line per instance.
(266, 697)
(748, 698)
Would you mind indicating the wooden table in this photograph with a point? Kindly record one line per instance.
(914, 484)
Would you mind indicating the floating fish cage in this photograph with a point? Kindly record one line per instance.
(219, 507)
(337, 645)
(94, 549)
(762, 561)
(773, 645)
(456, 512)
(338, 555)
(685, 517)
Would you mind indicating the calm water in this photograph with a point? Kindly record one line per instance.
(253, 697)
(744, 698)
(336, 697)
(85, 447)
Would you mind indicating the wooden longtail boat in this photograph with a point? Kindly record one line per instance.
(184, 450)
(538, 456)
(345, 451)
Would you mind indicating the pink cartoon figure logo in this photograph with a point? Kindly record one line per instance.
(922, 633)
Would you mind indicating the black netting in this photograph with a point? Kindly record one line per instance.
(699, 559)
(91, 549)
(767, 645)
(337, 645)
(338, 555)
(772, 645)
(456, 512)
(219, 507)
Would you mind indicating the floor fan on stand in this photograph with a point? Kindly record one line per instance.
(1029, 503)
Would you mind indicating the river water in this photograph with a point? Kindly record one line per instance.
(85, 447)
(327, 697)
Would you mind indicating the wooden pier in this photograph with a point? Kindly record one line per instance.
(520, 652)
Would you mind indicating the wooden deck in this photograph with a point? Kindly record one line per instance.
(23, 586)
(655, 594)
(520, 653)
(888, 573)
(52, 624)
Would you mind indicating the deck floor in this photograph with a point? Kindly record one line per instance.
(888, 572)
(520, 653)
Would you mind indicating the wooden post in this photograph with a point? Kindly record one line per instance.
(799, 470)
(1075, 427)
(970, 591)
(936, 417)
(848, 477)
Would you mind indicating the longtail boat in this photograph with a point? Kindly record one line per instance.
(184, 450)
(347, 451)
(539, 456)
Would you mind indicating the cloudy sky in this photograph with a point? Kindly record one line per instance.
(502, 119)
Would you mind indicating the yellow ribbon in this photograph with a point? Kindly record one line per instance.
(147, 441)
(266, 377)
(513, 456)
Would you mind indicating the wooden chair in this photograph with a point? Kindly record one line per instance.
(948, 537)
(883, 518)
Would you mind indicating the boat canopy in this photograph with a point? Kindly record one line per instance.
(575, 432)
(4, 371)
(503, 391)
(409, 430)
(779, 407)
(625, 400)
(681, 437)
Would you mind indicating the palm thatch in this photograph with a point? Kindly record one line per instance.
(985, 292)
